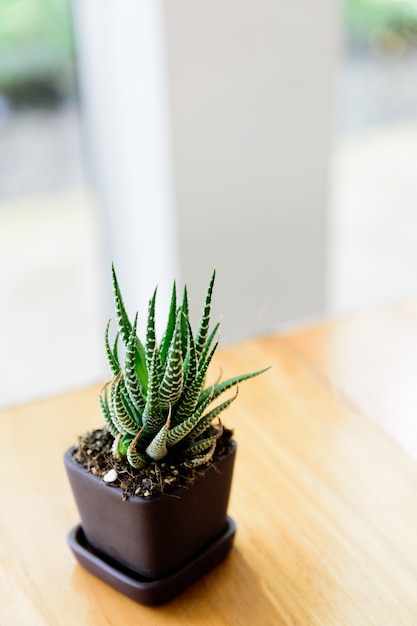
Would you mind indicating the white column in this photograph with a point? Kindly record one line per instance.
(121, 47)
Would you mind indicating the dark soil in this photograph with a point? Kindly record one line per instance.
(93, 451)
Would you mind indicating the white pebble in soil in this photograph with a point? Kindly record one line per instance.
(110, 477)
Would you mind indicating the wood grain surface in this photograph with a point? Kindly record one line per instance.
(372, 360)
(324, 499)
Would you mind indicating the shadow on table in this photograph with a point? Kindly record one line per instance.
(230, 594)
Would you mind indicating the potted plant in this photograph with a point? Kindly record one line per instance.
(152, 486)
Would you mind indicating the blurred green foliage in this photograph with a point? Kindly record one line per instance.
(37, 44)
(36, 48)
(389, 25)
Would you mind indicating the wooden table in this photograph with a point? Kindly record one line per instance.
(324, 493)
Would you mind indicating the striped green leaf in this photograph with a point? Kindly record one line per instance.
(132, 382)
(136, 458)
(106, 414)
(111, 354)
(201, 337)
(123, 417)
(125, 328)
(209, 342)
(157, 449)
(192, 396)
(166, 339)
(112, 404)
(201, 459)
(150, 331)
(134, 413)
(152, 417)
(172, 382)
(179, 432)
(228, 384)
(208, 418)
(121, 315)
(200, 446)
(185, 325)
(190, 362)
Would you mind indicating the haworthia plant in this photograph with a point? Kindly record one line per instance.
(157, 402)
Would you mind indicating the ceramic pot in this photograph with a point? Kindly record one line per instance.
(156, 536)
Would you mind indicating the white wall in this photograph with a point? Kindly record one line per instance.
(251, 92)
(209, 133)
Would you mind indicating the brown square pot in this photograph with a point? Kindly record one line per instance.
(153, 536)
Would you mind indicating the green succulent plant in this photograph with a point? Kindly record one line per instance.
(157, 402)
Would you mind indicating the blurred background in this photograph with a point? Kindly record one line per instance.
(277, 143)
